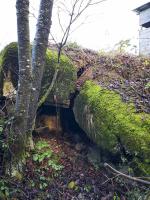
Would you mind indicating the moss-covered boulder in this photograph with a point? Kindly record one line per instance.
(114, 125)
(64, 84)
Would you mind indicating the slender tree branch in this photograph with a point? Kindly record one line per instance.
(59, 20)
(98, 2)
(43, 99)
(66, 9)
(53, 38)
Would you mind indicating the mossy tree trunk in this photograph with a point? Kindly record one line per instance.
(38, 55)
(1, 82)
(19, 131)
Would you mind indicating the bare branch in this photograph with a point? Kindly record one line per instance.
(53, 38)
(98, 2)
(126, 176)
(65, 8)
(81, 11)
(66, 34)
(32, 15)
(59, 20)
(81, 3)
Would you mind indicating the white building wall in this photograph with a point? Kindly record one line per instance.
(144, 42)
(144, 16)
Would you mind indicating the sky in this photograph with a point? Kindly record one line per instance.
(104, 24)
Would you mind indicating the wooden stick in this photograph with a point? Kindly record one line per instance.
(126, 176)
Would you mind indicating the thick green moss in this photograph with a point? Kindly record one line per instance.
(111, 123)
(9, 65)
(65, 80)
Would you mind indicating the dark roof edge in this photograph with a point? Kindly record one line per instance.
(142, 8)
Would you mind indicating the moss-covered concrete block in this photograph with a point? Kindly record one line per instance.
(66, 78)
(9, 65)
(113, 124)
(64, 84)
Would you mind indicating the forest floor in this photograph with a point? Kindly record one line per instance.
(58, 169)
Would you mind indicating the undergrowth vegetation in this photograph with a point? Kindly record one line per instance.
(42, 154)
(42, 167)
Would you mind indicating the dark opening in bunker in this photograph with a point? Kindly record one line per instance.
(61, 121)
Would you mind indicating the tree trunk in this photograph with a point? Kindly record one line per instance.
(38, 55)
(1, 82)
(24, 83)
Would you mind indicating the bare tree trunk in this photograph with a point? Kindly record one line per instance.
(24, 83)
(38, 55)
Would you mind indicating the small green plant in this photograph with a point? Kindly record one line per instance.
(116, 197)
(72, 185)
(43, 182)
(74, 45)
(55, 165)
(47, 162)
(124, 45)
(3, 144)
(2, 123)
(41, 156)
(147, 86)
(41, 144)
(88, 188)
(137, 194)
(44, 154)
(4, 190)
(1, 129)
(1, 135)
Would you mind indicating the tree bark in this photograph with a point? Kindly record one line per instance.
(24, 82)
(1, 82)
(38, 55)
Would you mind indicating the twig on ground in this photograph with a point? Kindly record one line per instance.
(126, 176)
(110, 179)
